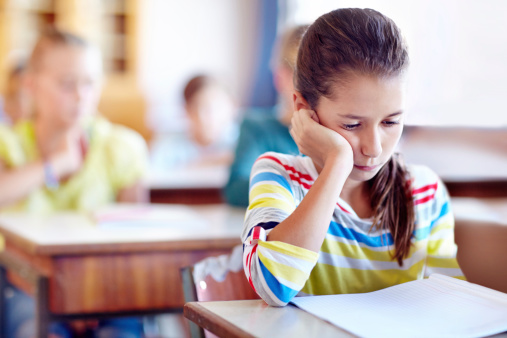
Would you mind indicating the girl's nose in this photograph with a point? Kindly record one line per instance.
(371, 145)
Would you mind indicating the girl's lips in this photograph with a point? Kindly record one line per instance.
(366, 168)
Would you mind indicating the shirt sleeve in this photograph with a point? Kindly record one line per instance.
(11, 154)
(441, 254)
(277, 271)
(128, 157)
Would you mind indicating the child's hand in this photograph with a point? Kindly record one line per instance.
(318, 142)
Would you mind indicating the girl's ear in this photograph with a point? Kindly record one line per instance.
(299, 101)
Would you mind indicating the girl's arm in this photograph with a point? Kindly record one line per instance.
(278, 266)
(307, 226)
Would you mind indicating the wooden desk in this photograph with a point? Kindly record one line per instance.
(471, 161)
(76, 269)
(192, 185)
(253, 318)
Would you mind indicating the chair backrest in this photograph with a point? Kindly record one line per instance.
(217, 278)
(482, 252)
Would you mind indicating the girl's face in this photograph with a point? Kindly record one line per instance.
(66, 85)
(368, 113)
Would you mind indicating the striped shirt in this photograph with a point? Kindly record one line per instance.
(352, 258)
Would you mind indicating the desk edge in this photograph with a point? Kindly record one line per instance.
(213, 323)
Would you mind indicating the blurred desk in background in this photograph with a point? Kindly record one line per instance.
(481, 236)
(480, 209)
(76, 268)
(188, 185)
(471, 162)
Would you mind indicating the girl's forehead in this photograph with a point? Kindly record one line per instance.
(365, 95)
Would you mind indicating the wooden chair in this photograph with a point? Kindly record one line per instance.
(482, 252)
(216, 279)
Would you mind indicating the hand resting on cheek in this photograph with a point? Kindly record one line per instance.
(320, 143)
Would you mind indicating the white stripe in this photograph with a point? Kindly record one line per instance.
(449, 217)
(366, 264)
(442, 234)
(293, 262)
(451, 272)
(246, 252)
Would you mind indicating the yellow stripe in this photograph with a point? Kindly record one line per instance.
(442, 247)
(270, 189)
(439, 262)
(272, 203)
(347, 280)
(290, 250)
(286, 272)
(356, 251)
(442, 226)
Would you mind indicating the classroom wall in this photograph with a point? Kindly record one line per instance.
(179, 39)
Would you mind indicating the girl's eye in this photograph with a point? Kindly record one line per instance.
(350, 126)
(390, 123)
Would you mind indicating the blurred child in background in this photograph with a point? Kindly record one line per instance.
(66, 157)
(268, 129)
(212, 129)
(15, 105)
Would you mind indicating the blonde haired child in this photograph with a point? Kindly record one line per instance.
(66, 157)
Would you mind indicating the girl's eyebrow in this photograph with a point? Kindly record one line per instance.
(357, 117)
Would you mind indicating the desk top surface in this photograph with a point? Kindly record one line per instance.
(166, 227)
(189, 177)
(458, 154)
(254, 318)
(148, 227)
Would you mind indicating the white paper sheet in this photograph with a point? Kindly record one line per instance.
(440, 306)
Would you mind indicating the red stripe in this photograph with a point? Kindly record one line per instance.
(425, 188)
(348, 212)
(425, 199)
(306, 177)
(256, 233)
(295, 178)
(250, 267)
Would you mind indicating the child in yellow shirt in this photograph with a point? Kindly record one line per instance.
(66, 157)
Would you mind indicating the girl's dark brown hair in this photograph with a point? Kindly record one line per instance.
(353, 41)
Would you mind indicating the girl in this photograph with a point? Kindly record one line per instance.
(350, 217)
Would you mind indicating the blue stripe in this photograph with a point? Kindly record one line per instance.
(265, 226)
(282, 292)
(339, 230)
(267, 176)
(425, 232)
